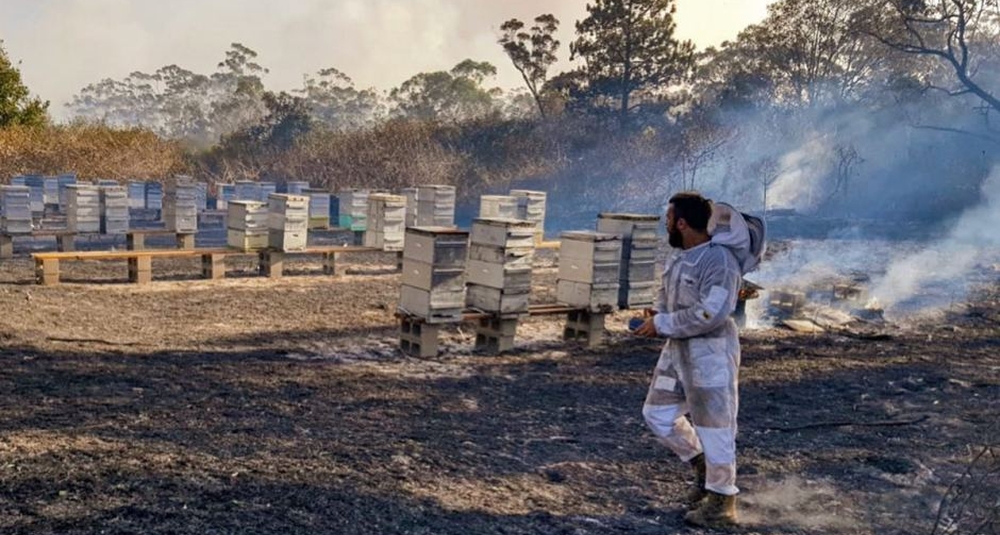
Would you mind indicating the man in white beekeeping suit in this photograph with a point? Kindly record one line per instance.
(698, 370)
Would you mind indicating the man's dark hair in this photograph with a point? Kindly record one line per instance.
(693, 208)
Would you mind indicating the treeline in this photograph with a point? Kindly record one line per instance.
(844, 107)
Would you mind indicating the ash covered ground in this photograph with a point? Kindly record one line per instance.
(255, 406)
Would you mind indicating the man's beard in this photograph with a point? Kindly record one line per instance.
(675, 239)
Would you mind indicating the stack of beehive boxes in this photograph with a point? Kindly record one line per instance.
(319, 207)
(411, 205)
(637, 277)
(83, 208)
(498, 207)
(353, 208)
(434, 260)
(436, 206)
(114, 210)
(531, 207)
(287, 222)
(589, 268)
(15, 209)
(180, 206)
(499, 268)
(247, 225)
(386, 222)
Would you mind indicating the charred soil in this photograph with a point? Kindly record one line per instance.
(255, 406)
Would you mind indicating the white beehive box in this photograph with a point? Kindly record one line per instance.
(247, 215)
(83, 211)
(433, 307)
(386, 222)
(511, 279)
(498, 207)
(436, 205)
(593, 297)
(287, 221)
(180, 205)
(512, 257)
(427, 277)
(438, 246)
(506, 233)
(15, 209)
(497, 301)
(590, 257)
(114, 209)
(531, 207)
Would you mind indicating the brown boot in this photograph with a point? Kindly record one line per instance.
(697, 492)
(718, 511)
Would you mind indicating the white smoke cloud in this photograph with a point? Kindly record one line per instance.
(944, 271)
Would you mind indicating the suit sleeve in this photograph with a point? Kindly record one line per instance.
(718, 291)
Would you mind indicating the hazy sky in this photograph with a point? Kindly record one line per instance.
(66, 44)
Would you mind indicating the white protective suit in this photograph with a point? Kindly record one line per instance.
(698, 369)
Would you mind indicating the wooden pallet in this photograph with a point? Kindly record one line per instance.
(271, 262)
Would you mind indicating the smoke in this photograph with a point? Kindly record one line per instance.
(947, 265)
(798, 184)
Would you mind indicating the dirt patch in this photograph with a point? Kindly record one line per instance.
(256, 406)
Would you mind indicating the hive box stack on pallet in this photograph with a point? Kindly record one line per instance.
(83, 208)
(589, 267)
(386, 222)
(499, 278)
(411, 205)
(531, 207)
(637, 278)
(498, 207)
(353, 207)
(435, 206)
(180, 206)
(137, 195)
(433, 286)
(19, 180)
(106, 182)
(287, 222)
(319, 207)
(15, 210)
(114, 210)
(246, 190)
(247, 225)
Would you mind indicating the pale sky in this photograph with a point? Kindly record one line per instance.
(63, 45)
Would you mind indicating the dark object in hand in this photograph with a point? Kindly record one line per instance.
(635, 323)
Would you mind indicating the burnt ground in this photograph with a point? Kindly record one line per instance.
(254, 406)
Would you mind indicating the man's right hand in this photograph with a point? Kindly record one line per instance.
(647, 330)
